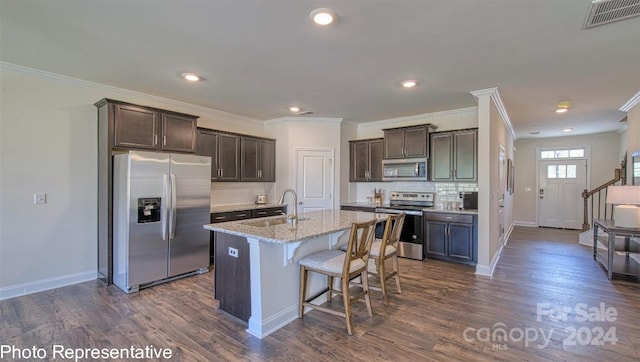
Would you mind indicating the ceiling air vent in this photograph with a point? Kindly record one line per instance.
(305, 113)
(607, 11)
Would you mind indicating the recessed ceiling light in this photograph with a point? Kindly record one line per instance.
(409, 83)
(563, 106)
(323, 16)
(568, 129)
(294, 109)
(191, 77)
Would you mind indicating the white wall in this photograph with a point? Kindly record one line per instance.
(444, 121)
(293, 133)
(48, 139)
(348, 132)
(605, 157)
(633, 136)
(492, 134)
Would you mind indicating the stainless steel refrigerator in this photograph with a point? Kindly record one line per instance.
(161, 202)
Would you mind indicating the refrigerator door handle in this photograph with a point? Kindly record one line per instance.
(174, 209)
(165, 206)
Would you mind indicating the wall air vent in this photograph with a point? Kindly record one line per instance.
(607, 11)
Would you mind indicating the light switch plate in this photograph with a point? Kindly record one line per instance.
(39, 199)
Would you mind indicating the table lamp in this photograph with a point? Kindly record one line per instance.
(626, 213)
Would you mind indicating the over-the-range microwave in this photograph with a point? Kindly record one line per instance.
(406, 169)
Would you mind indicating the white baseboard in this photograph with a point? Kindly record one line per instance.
(279, 320)
(46, 284)
(529, 224)
(487, 270)
(273, 323)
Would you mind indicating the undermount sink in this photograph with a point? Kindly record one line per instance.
(269, 222)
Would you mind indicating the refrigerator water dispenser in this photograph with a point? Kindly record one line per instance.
(148, 210)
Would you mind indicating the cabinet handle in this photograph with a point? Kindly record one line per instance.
(219, 217)
(164, 140)
(241, 215)
(155, 140)
(221, 172)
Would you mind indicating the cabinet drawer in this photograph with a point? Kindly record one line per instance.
(230, 216)
(267, 212)
(447, 217)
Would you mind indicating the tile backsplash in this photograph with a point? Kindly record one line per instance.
(448, 191)
(229, 193)
(445, 191)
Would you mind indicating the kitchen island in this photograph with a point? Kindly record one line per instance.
(270, 271)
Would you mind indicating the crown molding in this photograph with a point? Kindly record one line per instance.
(631, 103)
(303, 119)
(14, 68)
(497, 101)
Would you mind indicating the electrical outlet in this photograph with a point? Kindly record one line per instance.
(233, 252)
(39, 199)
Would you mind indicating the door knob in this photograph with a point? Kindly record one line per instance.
(300, 203)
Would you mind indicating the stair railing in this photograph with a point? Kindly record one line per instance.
(598, 197)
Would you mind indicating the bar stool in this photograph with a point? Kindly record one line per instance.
(344, 265)
(384, 249)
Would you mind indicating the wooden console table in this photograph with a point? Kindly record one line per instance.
(618, 265)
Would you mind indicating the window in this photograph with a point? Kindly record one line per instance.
(563, 153)
(576, 153)
(562, 171)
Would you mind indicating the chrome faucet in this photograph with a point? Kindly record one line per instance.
(292, 218)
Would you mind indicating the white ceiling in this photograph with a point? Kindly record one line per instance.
(258, 57)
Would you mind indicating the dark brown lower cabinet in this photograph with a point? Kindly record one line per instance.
(232, 275)
(240, 215)
(451, 237)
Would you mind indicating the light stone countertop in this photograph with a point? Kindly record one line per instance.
(241, 207)
(309, 225)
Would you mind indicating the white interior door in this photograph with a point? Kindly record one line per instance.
(559, 195)
(314, 180)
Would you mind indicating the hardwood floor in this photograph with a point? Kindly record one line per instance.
(445, 313)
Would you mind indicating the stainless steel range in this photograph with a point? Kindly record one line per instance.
(411, 203)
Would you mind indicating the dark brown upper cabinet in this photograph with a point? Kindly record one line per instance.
(228, 157)
(141, 127)
(407, 142)
(258, 159)
(224, 150)
(208, 146)
(454, 156)
(366, 160)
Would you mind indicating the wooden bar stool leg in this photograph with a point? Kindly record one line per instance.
(367, 297)
(303, 290)
(397, 271)
(382, 275)
(347, 304)
(330, 286)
